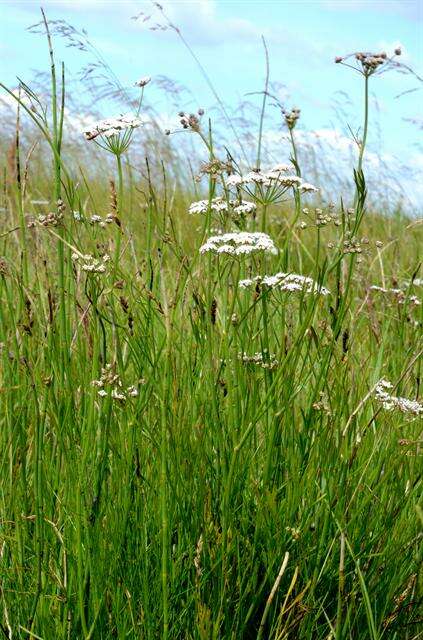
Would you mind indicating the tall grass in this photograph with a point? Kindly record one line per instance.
(202, 495)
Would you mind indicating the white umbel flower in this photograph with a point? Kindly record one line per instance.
(220, 205)
(238, 244)
(90, 264)
(390, 403)
(289, 282)
(112, 126)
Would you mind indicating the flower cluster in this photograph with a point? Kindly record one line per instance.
(191, 120)
(112, 126)
(368, 63)
(400, 295)
(220, 205)
(269, 186)
(52, 219)
(111, 384)
(291, 117)
(260, 359)
(142, 82)
(391, 403)
(321, 217)
(289, 282)
(214, 168)
(100, 221)
(239, 244)
(354, 245)
(91, 264)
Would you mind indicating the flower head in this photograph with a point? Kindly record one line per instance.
(142, 82)
(238, 244)
(392, 403)
(112, 126)
(289, 282)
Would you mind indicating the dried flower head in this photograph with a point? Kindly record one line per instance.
(368, 63)
(52, 219)
(291, 117)
(142, 82)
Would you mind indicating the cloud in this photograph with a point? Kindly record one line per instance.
(409, 9)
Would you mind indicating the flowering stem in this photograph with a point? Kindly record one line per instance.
(264, 218)
(366, 122)
(119, 211)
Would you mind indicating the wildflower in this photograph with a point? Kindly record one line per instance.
(295, 533)
(237, 244)
(91, 264)
(191, 120)
(368, 63)
(260, 359)
(217, 205)
(142, 82)
(306, 187)
(289, 282)
(214, 168)
(100, 221)
(220, 205)
(291, 117)
(52, 219)
(112, 126)
(269, 186)
(390, 403)
(400, 295)
(110, 383)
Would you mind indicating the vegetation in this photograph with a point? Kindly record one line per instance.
(191, 450)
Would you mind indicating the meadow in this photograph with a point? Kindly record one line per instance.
(210, 416)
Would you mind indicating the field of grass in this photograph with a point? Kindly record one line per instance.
(187, 457)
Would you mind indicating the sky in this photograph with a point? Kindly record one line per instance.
(302, 38)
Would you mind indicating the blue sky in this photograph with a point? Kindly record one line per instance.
(302, 37)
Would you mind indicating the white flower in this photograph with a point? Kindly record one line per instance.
(244, 208)
(286, 282)
(241, 243)
(142, 81)
(263, 360)
(234, 180)
(400, 295)
(111, 380)
(202, 206)
(306, 187)
(91, 264)
(390, 403)
(274, 178)
(112, 126)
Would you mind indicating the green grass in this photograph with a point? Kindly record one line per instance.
(224, 501)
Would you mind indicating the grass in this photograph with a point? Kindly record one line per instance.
(225, 500)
